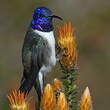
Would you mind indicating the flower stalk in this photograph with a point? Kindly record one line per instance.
(67, 43)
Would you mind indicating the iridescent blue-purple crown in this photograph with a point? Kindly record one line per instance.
(42, 20)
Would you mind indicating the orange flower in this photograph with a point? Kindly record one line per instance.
(86, 103)
(17, 101)
(57, 85)
(66, 40)
(62, 102)
(48, 99)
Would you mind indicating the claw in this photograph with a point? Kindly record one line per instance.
(59, 56)
(64, 55)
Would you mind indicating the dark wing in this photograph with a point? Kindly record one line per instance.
(32, 59)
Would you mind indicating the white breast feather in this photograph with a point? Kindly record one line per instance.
(49, 36)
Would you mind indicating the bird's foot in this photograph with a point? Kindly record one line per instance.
(59, 56)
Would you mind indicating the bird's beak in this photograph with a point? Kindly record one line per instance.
(54, 16)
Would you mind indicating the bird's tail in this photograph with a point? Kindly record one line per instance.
(38, 89)
(28, 80)
(26, 85)
(31, 74)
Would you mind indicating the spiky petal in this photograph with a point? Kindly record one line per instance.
(18, 101)
(62, 102)
(66, 39)
(86, 103)
(57, 85)
(48, 99)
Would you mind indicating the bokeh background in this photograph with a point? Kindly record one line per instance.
(91, 19)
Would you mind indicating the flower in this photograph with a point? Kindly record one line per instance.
(86, 103)
(67, 42)
(57, 85)
(62, 102)
(48, 98)
(18, 101)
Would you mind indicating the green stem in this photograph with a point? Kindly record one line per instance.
(71, 89)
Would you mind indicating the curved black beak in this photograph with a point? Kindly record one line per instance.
(54, 16)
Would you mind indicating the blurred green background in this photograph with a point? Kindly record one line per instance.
(91, 19)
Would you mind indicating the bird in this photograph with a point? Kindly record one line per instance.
(38, 51)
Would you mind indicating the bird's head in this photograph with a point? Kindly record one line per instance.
(42, 19)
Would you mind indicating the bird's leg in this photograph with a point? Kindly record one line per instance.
(59, 56)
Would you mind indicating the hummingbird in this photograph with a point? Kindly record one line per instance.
(38, 52)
